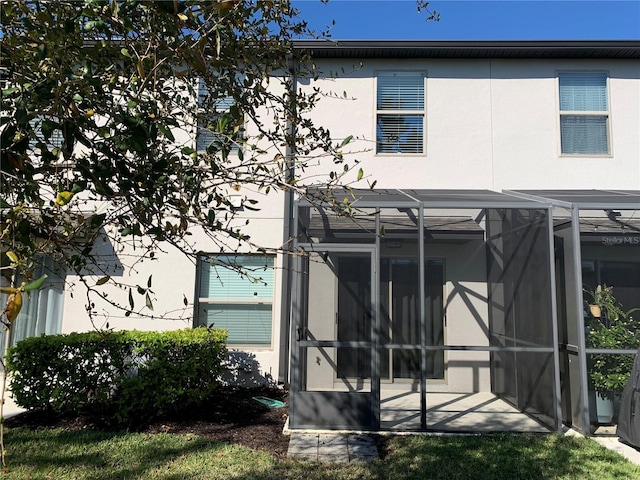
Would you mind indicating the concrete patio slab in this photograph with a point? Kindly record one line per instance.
(454, 412)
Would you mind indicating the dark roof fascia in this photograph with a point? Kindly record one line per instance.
(617, 49)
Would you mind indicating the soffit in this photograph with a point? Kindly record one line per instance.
(616, 49)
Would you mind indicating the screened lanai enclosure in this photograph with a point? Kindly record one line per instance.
(597, 247)
(425, 310)
(449, 310)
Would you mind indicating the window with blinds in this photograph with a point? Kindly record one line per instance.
(584, 114)
(47, 130)
(54, 137)
(236, 294)
(400, 112)
(210, 113)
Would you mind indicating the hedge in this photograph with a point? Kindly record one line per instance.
(131, 376)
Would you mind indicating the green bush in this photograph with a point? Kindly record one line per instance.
(613, 328)
(130, 375)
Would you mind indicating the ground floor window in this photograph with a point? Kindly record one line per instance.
(41, 312)
(235, 292)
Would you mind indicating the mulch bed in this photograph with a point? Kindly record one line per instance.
(232, 417)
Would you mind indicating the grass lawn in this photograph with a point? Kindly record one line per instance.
(60, 454)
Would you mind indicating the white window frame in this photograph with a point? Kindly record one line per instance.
(585, 113)
(200, 318)
(411, 112)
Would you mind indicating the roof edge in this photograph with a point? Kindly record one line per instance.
(471, 48)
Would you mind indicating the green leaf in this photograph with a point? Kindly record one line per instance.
(9, 91)
(90, 25)
(166, 132)
(97, 220)
(187, 150)
(36, 283)
(77, 188)
(103, 280)
(148, 302)
(131, 303)
(346, 140)
(48, 128)
(360, 174)
(149, 281)
(141, 290)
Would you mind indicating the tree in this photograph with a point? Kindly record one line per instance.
(99, 114)
(101, 101)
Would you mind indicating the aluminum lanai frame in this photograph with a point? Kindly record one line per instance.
(419, 200)
(574, 201)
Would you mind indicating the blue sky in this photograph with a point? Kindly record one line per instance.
(477, 19)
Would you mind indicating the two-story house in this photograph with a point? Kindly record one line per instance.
(507, 179)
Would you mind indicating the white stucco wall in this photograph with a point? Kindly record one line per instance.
(491, 124)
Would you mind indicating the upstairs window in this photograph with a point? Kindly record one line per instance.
(400, 113)
(211, 113)
(47, 130)
(584, 114)
(53, 130)
(240, 303)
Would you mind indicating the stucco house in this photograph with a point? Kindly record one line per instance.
(507, 179)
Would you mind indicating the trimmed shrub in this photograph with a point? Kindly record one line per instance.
(130, 375)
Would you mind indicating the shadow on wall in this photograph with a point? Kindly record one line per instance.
(243, 370)
(105, 260)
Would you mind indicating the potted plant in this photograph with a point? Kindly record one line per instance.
(609, 327)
